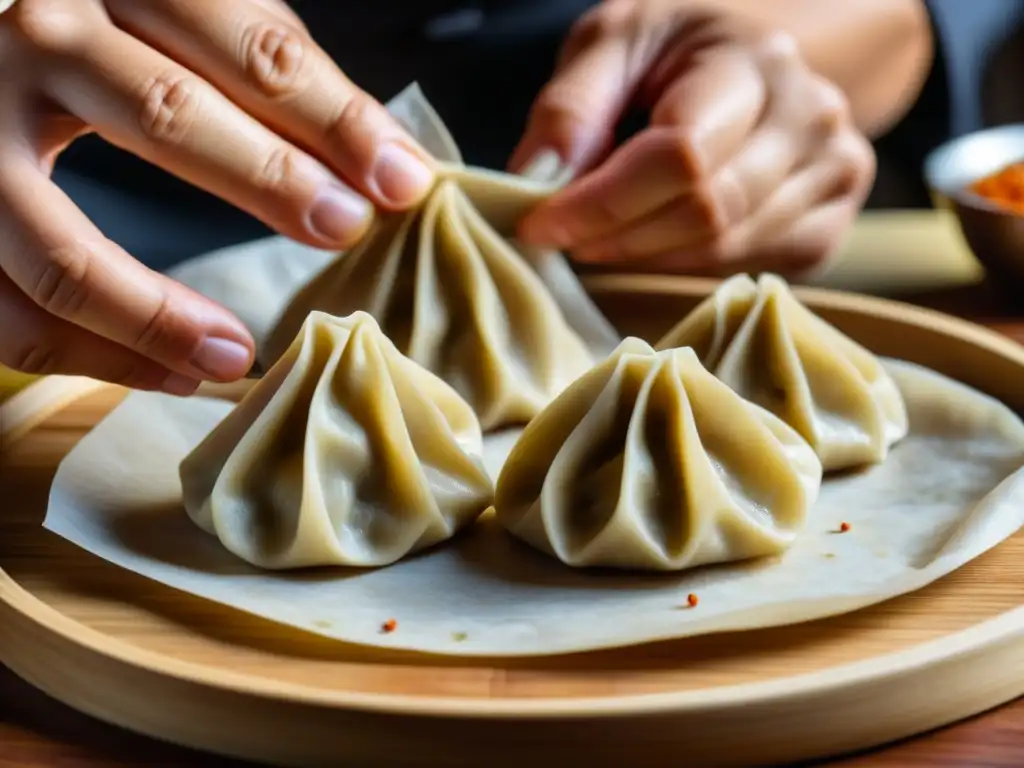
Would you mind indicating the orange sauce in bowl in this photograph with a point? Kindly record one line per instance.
(1004, 188)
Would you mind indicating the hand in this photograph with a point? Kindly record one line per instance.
(231, 95)
(750, 160)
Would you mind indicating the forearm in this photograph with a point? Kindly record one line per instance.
(878, 51)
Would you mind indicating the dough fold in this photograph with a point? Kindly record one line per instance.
(649, 462)
(772, 350)
(345, 453)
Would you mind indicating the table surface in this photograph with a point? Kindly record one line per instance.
(36, 731)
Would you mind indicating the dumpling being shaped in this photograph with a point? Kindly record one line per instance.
(506, 326)
(760, 340)
(345, 453)
(648, 462)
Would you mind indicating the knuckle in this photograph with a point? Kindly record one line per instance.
(683, 150)
(854, 162)
(48, 26)
(62, 286)
(357, 123)
(38, 355)
(278, 171)
(556, 109)
(778, 45)
(160, 332)
(274, 58)
(125, 374)
(831, 106)
(170, 104)
(601, 21)
(605, 212)
(849, 171)
(713, 215)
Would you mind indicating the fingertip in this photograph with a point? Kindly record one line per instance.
(223, 359)
(219, 347)
(526, 153)
(210, 317)
(339, 216)
(401, 177)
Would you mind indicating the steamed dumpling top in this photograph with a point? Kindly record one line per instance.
(507, 327)
(772, 350)
(345, 453)
(649, 462)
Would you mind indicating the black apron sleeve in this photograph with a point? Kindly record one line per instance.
(969, 36)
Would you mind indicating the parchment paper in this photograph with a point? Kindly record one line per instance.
(947, 493)
(256, 280)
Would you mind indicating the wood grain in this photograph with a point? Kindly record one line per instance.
(159, 621)
(39, 732)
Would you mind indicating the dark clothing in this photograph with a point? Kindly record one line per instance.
(481, 64)
(974, 83)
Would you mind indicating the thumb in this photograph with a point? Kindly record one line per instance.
(576, 113)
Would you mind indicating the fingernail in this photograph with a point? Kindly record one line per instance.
(339, 215)
(222, 359)
(400, 176)
(182, 386)
(544, 165)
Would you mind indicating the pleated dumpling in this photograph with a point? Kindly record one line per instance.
(772, 350)
(507, 327)
(345, 453)
(649, 462)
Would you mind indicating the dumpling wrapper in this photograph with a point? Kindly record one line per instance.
(648, 462)
(508, 327)
(345, 453)
(773, 351)
(948, 492)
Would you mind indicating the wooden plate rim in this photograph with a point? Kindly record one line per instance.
(51, 394)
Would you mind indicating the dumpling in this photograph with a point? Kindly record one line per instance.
(345, 453)
(648, 462)
(507, 327)
(772, 350)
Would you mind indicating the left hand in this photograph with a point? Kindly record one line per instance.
(750, 162)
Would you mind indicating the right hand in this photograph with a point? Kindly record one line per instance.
(230, 95)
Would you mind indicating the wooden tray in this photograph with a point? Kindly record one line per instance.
(145, 657)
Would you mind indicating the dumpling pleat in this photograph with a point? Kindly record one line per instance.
(774, 352)
(434, 317)
(580, 493)
(345, 453)
(261, 482)
(368, 449)
(650, 462)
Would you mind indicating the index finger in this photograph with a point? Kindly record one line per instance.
(700, 121)
(275, 71)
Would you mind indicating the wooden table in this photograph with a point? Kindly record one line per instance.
(36, 731)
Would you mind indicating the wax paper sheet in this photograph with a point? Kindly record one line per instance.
(947, 493)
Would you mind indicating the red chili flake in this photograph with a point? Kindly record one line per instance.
(691, 600)
(844, 527)
(389, 626)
